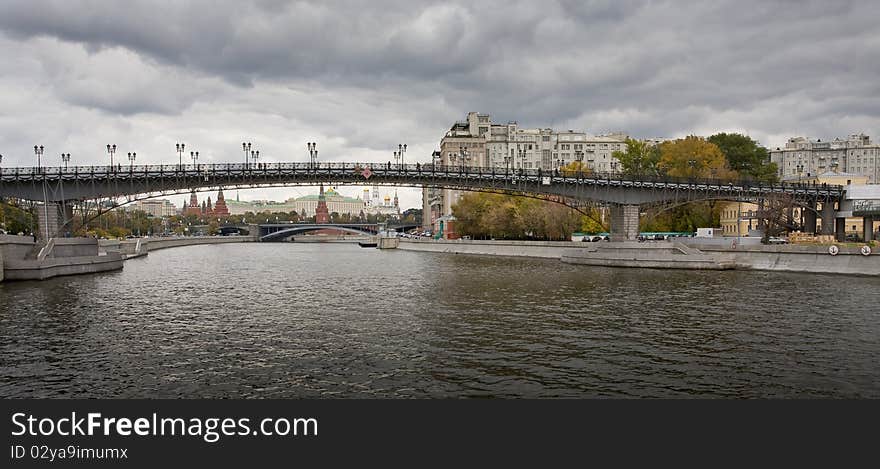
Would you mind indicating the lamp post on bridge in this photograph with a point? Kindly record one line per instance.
(111, 149)
(401, 149)
(131, 158)
(313, 153)
(195, 156)
(65, 158)
(255, 155)
(179, 147)
(522, 157)
(246, 147)
(38, 150)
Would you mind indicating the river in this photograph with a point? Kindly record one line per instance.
(302, 320)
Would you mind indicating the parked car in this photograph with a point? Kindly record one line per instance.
(777, 240)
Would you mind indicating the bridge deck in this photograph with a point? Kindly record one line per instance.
(94, 182)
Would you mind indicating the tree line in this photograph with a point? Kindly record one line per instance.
(722, 156)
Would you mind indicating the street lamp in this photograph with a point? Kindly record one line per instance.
(255, 155)
(692, 164)
(246, 147)
(195, 156)
(131, 157)
(401, 149)
(522, 156)
(313, 153)
(396, 158)
(111, 149)
(463, 155)
(65, 157)
(38, 150)
(179, 147)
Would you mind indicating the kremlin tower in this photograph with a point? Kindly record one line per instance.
(220, 208)
(206, 209)
(322, 214)
(193, 207)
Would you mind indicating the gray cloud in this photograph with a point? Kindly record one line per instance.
(364, 76)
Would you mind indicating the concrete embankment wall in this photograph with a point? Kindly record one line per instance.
(129, 247)
(788, 258)
(64, 256)
(798, 258)
(154, 244)
(53, 267)
(545, 249)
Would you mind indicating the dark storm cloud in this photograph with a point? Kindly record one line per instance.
(670, 66)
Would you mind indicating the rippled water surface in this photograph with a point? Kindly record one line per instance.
(336, 320)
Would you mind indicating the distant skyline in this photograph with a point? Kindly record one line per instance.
(359, 78)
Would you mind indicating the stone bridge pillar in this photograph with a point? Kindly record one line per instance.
(868, 228)
(809, 218)
(254, 231)
(827, 217)
(624, 222)
(51, 220)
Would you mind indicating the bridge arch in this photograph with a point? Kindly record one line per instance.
(288, 232)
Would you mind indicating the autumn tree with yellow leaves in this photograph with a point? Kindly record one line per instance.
(694, 157)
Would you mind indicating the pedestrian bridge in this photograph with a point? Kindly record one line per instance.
(624, 195)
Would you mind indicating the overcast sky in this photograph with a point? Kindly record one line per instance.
(361, 77)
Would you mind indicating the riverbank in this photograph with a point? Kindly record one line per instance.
(23, 259)
(145, 245)
(669, 255)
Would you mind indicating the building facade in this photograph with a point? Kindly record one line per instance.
(805, 158)
(307, 206)
(477, 141)
(156, 207)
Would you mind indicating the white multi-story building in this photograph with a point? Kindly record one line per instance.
(805, 158)
(478, 141)
(156, 207)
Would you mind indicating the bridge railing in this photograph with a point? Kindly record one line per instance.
(365, 169)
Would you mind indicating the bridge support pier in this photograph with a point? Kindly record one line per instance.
(827, 217)
(624, 222)
(868, 228)
(51, 219)
(809, 213)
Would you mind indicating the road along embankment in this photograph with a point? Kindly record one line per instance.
(669, 255)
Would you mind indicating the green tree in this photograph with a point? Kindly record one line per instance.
(746, 156)
(694, 157)
(639, 159)
(15, 219)
(482, 215)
